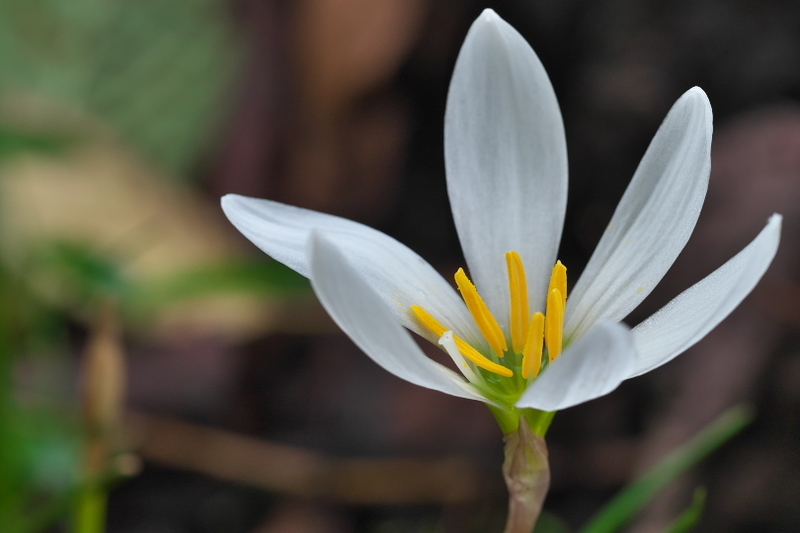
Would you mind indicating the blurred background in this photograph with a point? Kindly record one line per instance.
(147, 348)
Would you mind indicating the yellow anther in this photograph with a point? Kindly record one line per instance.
(480, 313)
(554, 324)
(534, 346)
(435, 327)
(520, 311)
(558, 280)
(479, 359)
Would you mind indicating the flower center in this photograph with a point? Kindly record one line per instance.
(529, 333)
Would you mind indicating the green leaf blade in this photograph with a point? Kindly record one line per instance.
(633, 498)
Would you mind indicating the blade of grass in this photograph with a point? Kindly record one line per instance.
(628, 502)
(689, 518)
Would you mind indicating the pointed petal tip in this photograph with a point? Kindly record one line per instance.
(697, 98)
(680, 324)
(505, 159)
(697, 92)
(490, 20)
(226, 200)
(488, 15)
(773, 229)
(695, 102)
(240, 210)
(230, 197)
(654, 218)
(231, 206)
(232, 202)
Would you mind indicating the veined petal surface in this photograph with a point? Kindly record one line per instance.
(653, 220)
(506, 160)
(697, 310)
(397, 274)
(591, 367)
(354, 306)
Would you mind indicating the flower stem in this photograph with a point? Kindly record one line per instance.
(527, 475)
(539, 421)
(508, 419)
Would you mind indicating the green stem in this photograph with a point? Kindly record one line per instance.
(91, 509)
(508, 419)
(539, 421)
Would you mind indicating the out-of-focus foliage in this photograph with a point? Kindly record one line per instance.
(82, 224)
(95, 221)
(40, 441)
(39, 465)
(153, 69)
(633, 498)
(13, 142)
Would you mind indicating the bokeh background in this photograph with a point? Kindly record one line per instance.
(142, 336)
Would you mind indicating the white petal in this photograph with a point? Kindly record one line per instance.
(653, 221)
(398, 275)
(592, 367)
(354, 306)
(506, 160)
(697, 310)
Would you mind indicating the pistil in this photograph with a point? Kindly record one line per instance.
(435, 327)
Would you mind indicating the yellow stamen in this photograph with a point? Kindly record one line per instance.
(554, 323)
(520, 311)
(558, 280)
(427, 320)
(532, 353)
(480, 313)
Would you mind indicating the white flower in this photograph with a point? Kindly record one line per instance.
(506, 166)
